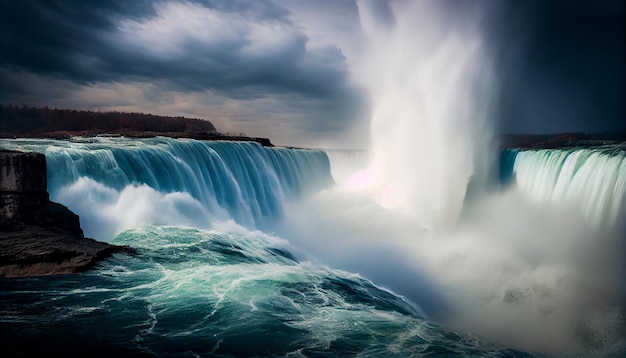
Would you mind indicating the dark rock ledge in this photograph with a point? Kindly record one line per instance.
(39, 237)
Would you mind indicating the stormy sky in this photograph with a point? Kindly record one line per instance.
(282, 69)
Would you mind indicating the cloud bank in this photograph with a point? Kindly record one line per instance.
(284, 68)
(247, 66)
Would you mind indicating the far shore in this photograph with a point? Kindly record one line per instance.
(521, 141)
(64, 135)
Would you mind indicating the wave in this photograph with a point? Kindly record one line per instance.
(229, 292)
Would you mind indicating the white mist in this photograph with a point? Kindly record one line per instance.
(429, 77)
(526, 274)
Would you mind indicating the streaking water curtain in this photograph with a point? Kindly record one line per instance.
(410, 248)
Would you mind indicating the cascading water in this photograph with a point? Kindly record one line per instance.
(175, 182)
(206, 282)
(593, 180)
(224, 290)
(503, 265)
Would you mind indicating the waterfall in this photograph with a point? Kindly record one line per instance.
(593, 180)
(117, 183)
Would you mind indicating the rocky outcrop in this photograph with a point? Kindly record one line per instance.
(39, 237)
(22, 184)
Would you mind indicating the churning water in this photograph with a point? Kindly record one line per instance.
(406, 249)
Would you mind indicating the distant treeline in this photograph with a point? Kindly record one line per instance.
(561, 140)
(20, 120)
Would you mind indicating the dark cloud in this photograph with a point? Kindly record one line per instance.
(52, 36)
(248, 66)
(561, 63)
(567, 71)
(250, 50)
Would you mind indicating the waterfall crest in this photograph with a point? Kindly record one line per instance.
(118, 183)
(593, 180)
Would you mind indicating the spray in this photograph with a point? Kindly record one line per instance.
(523, 273)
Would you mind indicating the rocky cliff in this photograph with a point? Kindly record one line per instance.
(37, 236)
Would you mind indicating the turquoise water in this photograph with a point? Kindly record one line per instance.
(592, 179)
(219, 272)
(192, 292)
(115, 184)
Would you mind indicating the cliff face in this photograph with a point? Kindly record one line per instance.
(37, 236)
(22, 184)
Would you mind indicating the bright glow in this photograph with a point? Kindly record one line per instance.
(361, 180)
